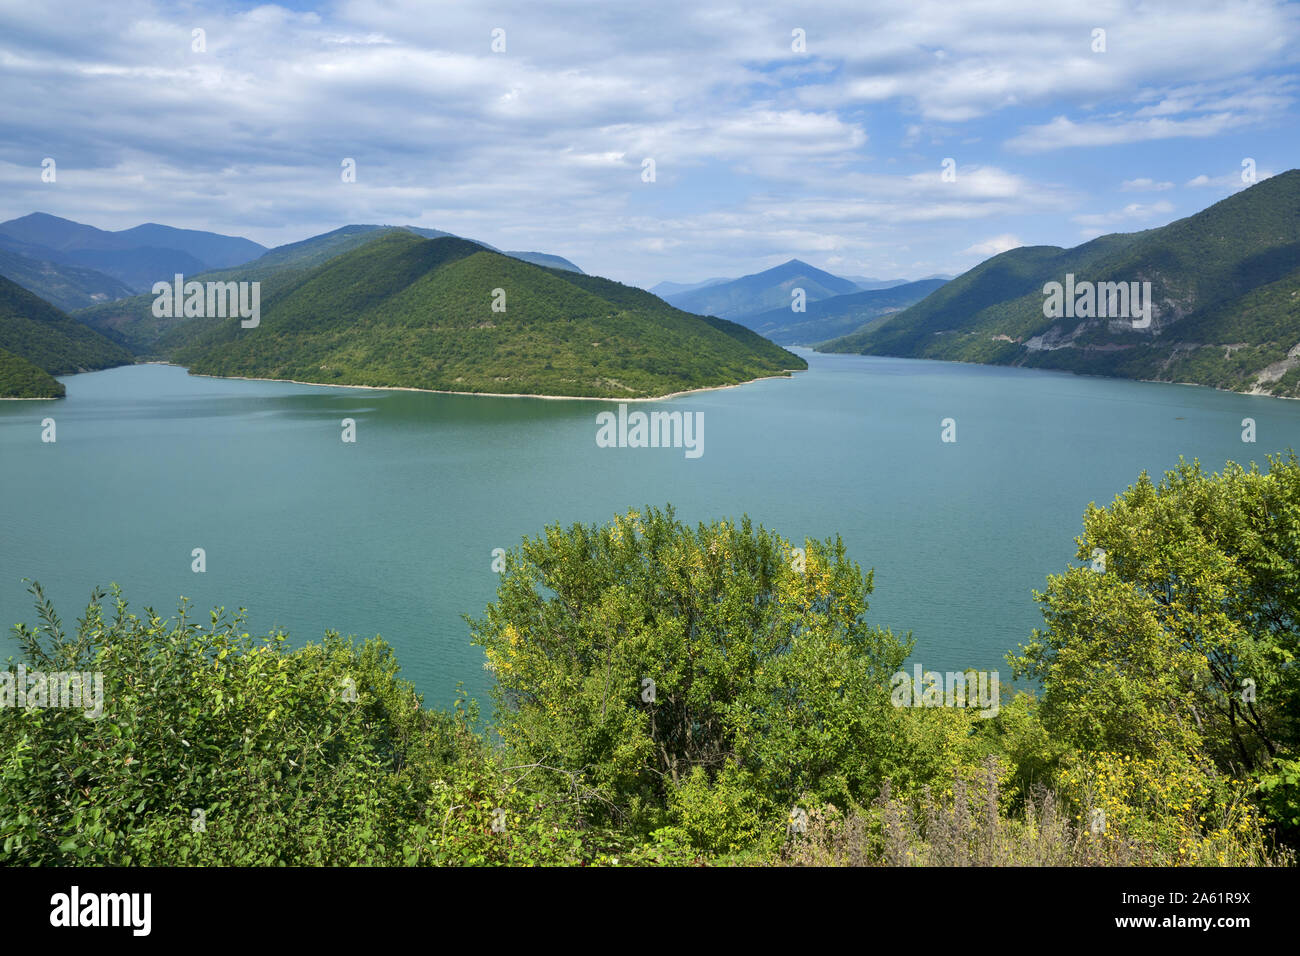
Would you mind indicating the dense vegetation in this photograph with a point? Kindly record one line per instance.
(131, 320)
(668, 694)
(1225, 284)
(37, 334)
(411, 312)
(19, 378)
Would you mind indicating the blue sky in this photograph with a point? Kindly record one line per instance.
(832, 154)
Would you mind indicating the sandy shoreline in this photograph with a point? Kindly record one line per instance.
(689, 391)
(438, 391)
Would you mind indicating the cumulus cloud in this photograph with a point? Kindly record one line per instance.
(993, 246)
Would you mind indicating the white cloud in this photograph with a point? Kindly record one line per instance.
(1064, 133)
(1229, 181)
(1131, 214)
(993, 246)
(1144, 185)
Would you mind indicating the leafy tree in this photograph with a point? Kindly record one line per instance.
(217, 748)
(1187, 640)
(669, 666)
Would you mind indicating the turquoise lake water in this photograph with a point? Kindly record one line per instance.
(393, 534)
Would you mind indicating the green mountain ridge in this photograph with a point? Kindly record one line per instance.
(130, 321)
(1225, 286)
(403, 311)
(37, 337)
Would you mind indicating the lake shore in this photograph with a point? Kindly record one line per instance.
(1255, 392)
(438, 391)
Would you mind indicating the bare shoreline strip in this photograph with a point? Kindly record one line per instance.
(437, 391)
(1256, 392)
(711, 388)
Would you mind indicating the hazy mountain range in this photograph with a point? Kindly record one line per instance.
(74, 265)
(765, 301)
(135, 257)
(762, 291)
(839, 315)
(67, 286)
(385, 305)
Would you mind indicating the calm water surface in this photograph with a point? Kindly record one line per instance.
(393, 535)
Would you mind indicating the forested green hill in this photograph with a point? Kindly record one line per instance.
(403, 311)
(19, 378)
(40, 335)
(1225, 285)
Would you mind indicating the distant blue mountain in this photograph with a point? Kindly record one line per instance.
(839, 315)
(137, 257)
(66, 286)
(665, 289)
(769, 289)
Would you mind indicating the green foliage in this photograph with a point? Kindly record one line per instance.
(770, 699)
(768, 687)
(266, 743)
(21, 379)
(1279, 788)
(39, 334)
(402, 311)
(279, 270)
(1185, 646)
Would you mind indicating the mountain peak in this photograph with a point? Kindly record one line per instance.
(762, 291)
(41, 217)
